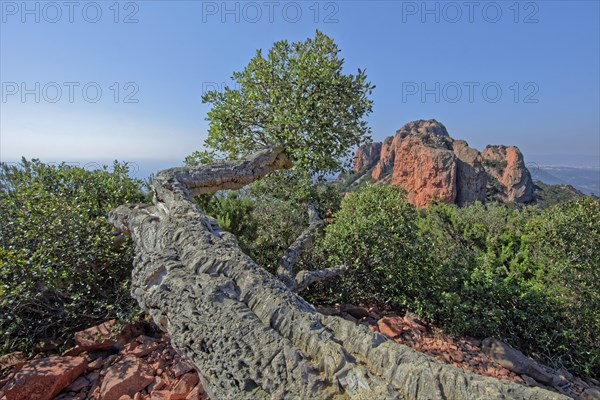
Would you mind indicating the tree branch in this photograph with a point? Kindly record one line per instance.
(285, 269)
(306, 278)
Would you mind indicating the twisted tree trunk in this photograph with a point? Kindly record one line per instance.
(247, 332)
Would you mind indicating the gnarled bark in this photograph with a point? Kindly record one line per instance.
(248, 334)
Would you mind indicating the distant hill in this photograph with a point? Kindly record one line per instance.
(548, 195)
(423, 159)
(584, 179)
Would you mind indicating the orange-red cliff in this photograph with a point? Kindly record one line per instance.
(423, 159)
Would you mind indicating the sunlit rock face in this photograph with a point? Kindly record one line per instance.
(423, 159)
(510, 180)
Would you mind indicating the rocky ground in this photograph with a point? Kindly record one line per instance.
(109, 362)
(488, 357)
(123, 362)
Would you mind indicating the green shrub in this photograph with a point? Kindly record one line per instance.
(375, 233)
(233, 212)
(61, 268)
(526, 276)
(271, 213)
(563, 251)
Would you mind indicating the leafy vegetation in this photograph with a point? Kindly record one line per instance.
(527, 276)
(376, 234)
(274, 211)
(297, 96)
(61, 267)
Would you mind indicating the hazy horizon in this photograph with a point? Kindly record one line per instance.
(130, 78)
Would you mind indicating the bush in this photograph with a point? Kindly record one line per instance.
(61, 267)
(233, 212)
(525, 276)
(375, 233)
(563, 251)
(271, 213)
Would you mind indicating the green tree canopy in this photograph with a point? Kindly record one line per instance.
(298, 97)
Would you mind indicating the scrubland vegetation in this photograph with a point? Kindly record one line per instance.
(527, 275)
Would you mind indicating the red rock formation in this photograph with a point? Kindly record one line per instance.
(471, 177)
(510, 180)
(430, 165)
(386, 160)
(427, 173)
(366, 156)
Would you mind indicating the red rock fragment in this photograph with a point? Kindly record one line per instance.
(97, 363)
(390, 326)
(186, 383)
(12, 359)
(44, 378)
(181, 368)
(126, 377)
(79, 384)
(73, 351)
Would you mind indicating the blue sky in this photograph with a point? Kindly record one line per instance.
(543, 56)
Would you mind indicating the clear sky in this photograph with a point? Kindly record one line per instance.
(152, 59)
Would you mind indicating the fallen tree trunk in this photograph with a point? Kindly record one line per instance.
(249, 335)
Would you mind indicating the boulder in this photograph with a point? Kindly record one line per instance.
(44, 378)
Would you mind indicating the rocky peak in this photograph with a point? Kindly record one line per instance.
(510, 179)
(429, 127)
(422, 158)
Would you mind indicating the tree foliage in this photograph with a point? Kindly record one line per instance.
(270, 214)
(297, 96)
